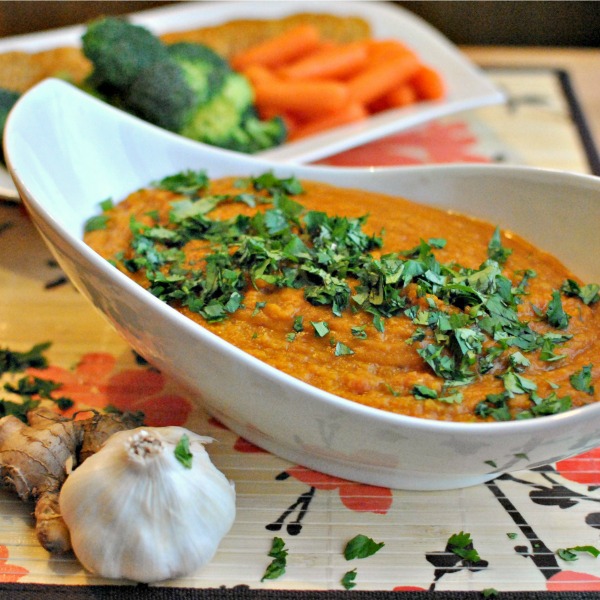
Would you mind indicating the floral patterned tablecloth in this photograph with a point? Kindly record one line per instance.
(517, 523)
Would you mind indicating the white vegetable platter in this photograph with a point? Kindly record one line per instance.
(467, 86)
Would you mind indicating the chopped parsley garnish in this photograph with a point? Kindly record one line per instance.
(182, 451)
(588, 294)
(466, 320)
(32, 390)
(582, 380)
(342, 350)
(461, 544)
(496, 251)
(13, 362)
(571, 554)
(361, 546)
(188, 182)
(348, 579)
(96, 223)
(321, 328)
(278, 552)
(555, 314)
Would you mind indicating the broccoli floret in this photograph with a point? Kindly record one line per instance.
(120, 51)
(7, 101)
(186, 88)
(255, 135)
(213, 121)
(166, 92)
(205, 71)
(229, 120)
(161, 95)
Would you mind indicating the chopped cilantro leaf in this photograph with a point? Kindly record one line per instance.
(321, 328)
(570, 554)
(183, 453)
(361, 546)
(298, 325)
(348, 580)
(278, 552)
(342, 350)
(555, 313)
(106, 204)
(12, 361)
(359, 332)
(422, 392)
(588, 294)
(461, 544)
(582, 380)
(187, 182)
(95, 223)
(496, 251)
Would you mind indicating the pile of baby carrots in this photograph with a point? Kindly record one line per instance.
(315, 84)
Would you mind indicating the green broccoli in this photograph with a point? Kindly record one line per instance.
(257, 134)
(166, 92)
(205, 70)
(7, 101)
(119, 51)
(229, 120)
(186, 88)
(161, 95)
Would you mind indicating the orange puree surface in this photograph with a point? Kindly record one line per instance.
(383, 368)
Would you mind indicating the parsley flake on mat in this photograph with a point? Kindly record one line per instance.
(278, 552)
(12, 361)
(571, 554)
(348, 580)
(461, 544)
(29, 390)
(361, 546)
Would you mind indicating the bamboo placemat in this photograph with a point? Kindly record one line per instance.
(517, 522)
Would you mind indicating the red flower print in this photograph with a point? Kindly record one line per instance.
(583, 468)
(9, 573)
(242, 445)
(408, 588)
(94, 384)
(572, 581)
(358, 497)
(433, 143)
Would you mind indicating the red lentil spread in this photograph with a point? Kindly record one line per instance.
(430, 313)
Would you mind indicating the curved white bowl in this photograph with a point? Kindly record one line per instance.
(67, 152)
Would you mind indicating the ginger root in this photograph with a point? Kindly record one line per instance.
(36, 458)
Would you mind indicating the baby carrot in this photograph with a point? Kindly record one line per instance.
(428, 84)
(308, 98)
(401, 96)
(351, 113)
(328, 63)
(273, 52)
(258, 74)
(383, 50)
(377, 80)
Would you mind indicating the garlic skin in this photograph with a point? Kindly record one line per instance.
(135, 512)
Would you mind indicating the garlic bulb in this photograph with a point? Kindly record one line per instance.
(135, 511)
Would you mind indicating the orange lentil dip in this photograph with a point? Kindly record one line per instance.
(385, 302)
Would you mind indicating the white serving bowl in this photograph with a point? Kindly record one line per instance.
(67, 152)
